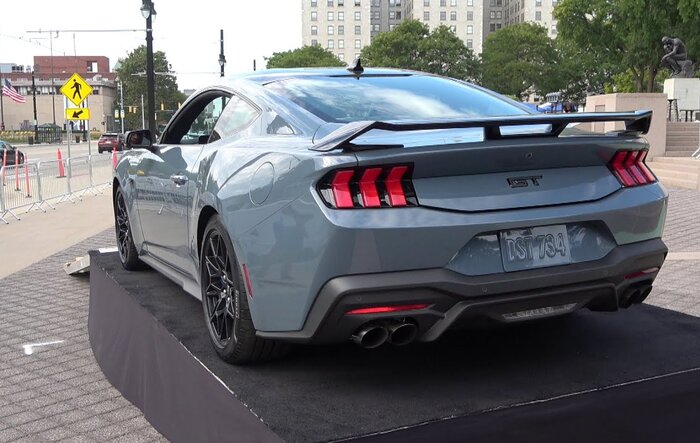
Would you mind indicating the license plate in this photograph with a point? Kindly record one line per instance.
(537, 247)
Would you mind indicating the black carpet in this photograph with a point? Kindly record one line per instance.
(337, 392)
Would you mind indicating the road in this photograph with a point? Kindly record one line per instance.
(48, 152)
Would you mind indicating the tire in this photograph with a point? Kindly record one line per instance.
(99, 150)
(128, 255)
(232, 332)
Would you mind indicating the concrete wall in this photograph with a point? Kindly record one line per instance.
(633, 102)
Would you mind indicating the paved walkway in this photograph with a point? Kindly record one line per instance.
(57, 392)
(38, 235)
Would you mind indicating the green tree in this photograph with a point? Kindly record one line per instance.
(520, 59)
(132, 73)
(411, 45)
(625, 34)
(304, 57)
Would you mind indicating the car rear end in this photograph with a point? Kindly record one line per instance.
(110, 142)
(506, 218)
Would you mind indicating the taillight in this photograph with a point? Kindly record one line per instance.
(388, 309)
(372, 187)
(629, 168)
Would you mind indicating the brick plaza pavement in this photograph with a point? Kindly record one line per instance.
(59, 392)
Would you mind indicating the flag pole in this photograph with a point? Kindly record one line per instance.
(2, 106)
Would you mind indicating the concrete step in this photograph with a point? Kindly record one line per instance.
(664, 173)
(673, 167)
(682, 154)
(667, 159)
(678, 183)
(690, 148)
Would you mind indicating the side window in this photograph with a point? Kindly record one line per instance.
(237, 115)
(194, 125)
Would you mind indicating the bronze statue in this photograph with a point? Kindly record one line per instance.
(676, 58)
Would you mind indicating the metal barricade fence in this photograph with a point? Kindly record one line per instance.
(79, 174)
(54, 181)
(33, 185)
(102, 170)
(21, 187)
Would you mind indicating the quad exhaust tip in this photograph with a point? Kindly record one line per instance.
(401, 334)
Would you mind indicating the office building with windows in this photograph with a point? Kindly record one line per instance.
(345, 26)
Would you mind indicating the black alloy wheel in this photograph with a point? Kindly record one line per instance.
(125, 243)
(225, 302)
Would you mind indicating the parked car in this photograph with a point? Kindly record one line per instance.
(110, 141)
(9, 150)
(385, 206)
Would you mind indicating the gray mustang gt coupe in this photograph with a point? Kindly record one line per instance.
(386, 206)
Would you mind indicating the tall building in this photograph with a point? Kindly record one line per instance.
(345, 26)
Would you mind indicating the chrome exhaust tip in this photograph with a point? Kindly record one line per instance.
(370, 336)
(401, 334)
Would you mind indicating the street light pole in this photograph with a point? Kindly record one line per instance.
(121, 104)
(148, 11)
(222, 57)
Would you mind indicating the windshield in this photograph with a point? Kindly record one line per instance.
(397, 97)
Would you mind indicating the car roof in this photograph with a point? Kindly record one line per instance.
(271, 75)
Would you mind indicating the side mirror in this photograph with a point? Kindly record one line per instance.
(140, 139)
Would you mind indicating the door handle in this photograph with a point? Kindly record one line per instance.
(179, 179)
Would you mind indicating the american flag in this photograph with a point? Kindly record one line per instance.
(11, 92)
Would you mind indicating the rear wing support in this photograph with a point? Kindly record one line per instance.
(636, 123)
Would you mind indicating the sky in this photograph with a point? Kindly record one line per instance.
(187, 31)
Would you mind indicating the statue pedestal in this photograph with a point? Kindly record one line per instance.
(685, 90)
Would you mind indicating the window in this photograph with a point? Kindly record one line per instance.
(492, 27)
(492, 15)
(330, 44)
(470, 16)
(376, 15)
(554, 29)
(314, 42)
(443, 3)
(358, 44)
(341, 57)
(443, 16)
(341, 44)
(331, 30)
(357, 2)
(391, 27)
(498, 26)
(358, 30)
(341, 2)
(196, 123)
(453, 3)
(453, 28)
(314, 16)
(398, 15)
(499, 14)
(341, 30)
(358, 15)
(376, 28)
(470, 29)
(415, 97)
(314, 30)
(538, 2)
(538, 15)
(453, 15)
(330, 16)
(392, 15)
(470, 43)
(313, 3)
(426, 2)
(236, 116)
(470, 2)
(426, 15)
(330, 2)
(341, 16)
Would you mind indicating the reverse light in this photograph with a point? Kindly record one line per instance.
(387, 309)
(629, 168)
(372, 187)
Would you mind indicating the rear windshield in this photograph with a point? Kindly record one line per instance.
(401, 97)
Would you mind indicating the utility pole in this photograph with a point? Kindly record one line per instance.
(253, 64)
(36, 126)
(121, 104)
(222, 57)
(143, 120)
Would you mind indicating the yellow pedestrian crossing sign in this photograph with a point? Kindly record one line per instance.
(77, 114)
(76, 89)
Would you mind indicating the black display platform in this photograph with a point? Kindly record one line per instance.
(633, 375)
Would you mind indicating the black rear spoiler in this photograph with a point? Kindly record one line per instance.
(636, 123)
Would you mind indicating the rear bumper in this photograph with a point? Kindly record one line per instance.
(453, 297)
